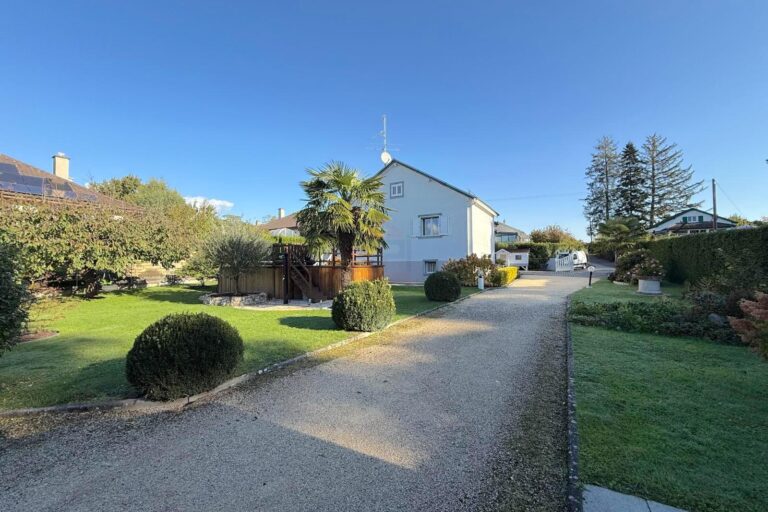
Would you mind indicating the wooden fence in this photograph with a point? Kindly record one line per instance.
(270, 280)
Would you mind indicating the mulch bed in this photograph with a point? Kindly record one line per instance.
(39, 335)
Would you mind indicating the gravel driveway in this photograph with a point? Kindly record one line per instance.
(461, 410)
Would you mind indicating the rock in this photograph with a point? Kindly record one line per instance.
(716, 319)
(250, 299)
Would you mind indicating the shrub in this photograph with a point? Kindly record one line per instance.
(627, 261)
(236, 251)
(649, 267)
(14, 299)
(364, 306)
(442, 286)
(466, 268)
(667, 317)
(753, 328)
(183, 354)
(502, 276)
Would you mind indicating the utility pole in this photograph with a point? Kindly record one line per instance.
(714, 205)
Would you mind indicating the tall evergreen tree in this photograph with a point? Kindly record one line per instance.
(599, 205)
(631, 186)
(670, 185)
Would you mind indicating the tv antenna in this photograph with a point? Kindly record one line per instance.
(386, 157)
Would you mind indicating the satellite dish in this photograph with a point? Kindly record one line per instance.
(386, 157)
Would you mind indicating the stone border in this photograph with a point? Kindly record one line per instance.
(574, 489)
(138, 404)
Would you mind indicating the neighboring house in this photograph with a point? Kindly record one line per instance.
(430, 223)
(20, 181)
(282, 225)
(513, 257)
(507, 234)
(690, 221)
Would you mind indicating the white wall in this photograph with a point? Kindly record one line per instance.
(483, 238)
(404, 259)
(707, 217)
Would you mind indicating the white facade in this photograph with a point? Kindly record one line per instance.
(690, 221)
(430, 223)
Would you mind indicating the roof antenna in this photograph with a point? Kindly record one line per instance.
(385, 156)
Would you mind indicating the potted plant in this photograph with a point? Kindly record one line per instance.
(648, 273)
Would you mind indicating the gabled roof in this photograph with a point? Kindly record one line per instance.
(438, 180)
(689, 210)
(21, 179)
(287, 222)
(501, 228)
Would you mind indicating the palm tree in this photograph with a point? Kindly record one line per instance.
(343, 210)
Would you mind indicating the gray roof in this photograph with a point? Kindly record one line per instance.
(438, 180)
(502, 228)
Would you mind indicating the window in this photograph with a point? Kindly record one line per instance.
(430, 266)
(507, 237)
(693, 218)
(430, 226)
(518, 257)
(396, 189)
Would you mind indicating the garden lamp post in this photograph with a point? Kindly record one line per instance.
(590, 269)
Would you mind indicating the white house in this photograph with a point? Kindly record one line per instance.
(690, 221)
(430, 223)
(282, 225)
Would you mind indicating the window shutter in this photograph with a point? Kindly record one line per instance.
(444, 225)
(416, 227)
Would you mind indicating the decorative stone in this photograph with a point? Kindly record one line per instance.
(647, 286)
(251, 299)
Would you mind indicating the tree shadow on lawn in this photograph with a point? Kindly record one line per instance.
(178, 295)
(312, 323)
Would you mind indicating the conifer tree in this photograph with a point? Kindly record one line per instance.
(599, 205)
(670, 185)
(631, 186)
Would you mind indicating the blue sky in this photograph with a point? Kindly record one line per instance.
(232, 100)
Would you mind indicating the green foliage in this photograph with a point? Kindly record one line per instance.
(14, 299)
(466, 269)
(600, 203)
(364, 306)
(626, 263)
(442, 286)
(119, 188)
(236, 251)
(72, 241)
(631, 186)
(667, 317)
(183, 354)
(199, 267)
(738, 256)
(553, 234)
(620, 234)
(344, 211)
(502, 276)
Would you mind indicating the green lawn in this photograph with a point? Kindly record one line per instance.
(606, 291)
(677, 420)
(86, 361)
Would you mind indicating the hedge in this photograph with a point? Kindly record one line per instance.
(691, 257)
(502, 276)
(442, 286)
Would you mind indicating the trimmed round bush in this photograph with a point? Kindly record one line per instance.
(364, 306)
(442, 286)
(182, 355)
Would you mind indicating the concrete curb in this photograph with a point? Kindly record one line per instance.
(575, 498)
(138, 404)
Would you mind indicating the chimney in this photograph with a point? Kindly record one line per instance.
(61, 165)
(280, 213)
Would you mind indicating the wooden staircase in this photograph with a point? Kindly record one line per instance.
(296, 259)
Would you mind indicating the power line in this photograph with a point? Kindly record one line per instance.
(729, 199)
(541, 196)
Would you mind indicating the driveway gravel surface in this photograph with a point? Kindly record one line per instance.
(459, 410)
